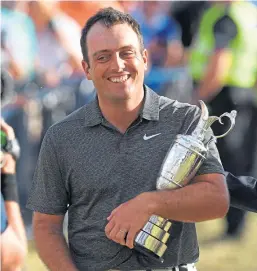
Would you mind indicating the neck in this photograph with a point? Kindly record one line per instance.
(121, 114)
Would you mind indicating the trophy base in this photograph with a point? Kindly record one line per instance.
(148, 253)
(150, 246)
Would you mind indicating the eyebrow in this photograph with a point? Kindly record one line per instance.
(108, 51)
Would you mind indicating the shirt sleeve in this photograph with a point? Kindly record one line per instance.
(225, 30)
(48, 193)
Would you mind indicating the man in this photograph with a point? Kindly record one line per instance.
(101, 163)
(224, 68)
(13, 236)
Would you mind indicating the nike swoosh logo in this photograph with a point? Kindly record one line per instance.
(149, 137)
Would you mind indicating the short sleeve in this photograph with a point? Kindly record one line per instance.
(225, 30)
(212, 163)
(48, 193)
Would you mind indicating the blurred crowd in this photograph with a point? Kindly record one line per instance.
(43, 78)
(40, 39)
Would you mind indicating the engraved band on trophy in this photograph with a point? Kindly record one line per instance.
(181, 163)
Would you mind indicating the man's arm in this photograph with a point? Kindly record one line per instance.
(49, 198)
(13, 252)
(206, 198)
(13, 240)
(15, 221)
(217, 69)
(50, 242)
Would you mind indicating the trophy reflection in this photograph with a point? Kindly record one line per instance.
(180, 165)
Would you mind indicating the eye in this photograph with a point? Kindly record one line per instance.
(103, 58)
(128, 54)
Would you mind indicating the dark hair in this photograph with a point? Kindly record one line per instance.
(109, 17)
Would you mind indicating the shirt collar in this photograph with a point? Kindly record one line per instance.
(93, 114)
(149, 111)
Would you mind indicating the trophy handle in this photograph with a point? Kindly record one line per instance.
(231, 116)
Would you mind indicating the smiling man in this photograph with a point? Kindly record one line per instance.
(115, 60)
(102, 161)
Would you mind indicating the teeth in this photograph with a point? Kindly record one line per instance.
(119, 79)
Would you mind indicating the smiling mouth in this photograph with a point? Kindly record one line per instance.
(119, 79)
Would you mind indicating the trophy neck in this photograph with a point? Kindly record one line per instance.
(204, 123)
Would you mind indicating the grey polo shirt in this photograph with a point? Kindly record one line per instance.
(89, 165)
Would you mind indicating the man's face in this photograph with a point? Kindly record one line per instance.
(116, 64)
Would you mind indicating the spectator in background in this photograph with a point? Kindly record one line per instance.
(188, 14)
(161, 37)
(18, 42)
(58, 38)
(13, 236)
(161, 33)
(224, 68)
(129, 6)
(82, 10)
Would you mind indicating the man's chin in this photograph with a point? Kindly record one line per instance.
(122, 92)
(121, 97)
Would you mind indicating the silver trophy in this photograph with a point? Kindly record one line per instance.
(180, 165)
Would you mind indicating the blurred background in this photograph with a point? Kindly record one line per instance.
(42, 82)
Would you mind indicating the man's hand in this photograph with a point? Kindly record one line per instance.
(127, 219)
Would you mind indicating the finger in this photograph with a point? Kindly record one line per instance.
(109, 227)
(114, 211)
(131, 237)
(112, 234)
(109, 217)
(121, 237)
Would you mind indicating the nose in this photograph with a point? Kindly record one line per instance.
(117, 63)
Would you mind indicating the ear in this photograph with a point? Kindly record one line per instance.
(86, 69)
(145, 58)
